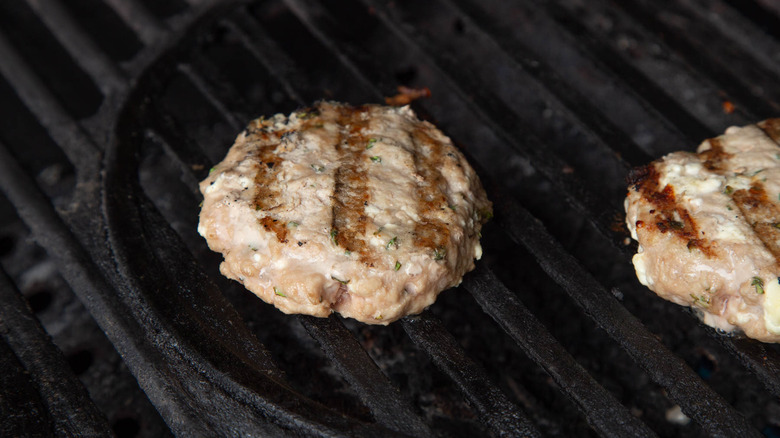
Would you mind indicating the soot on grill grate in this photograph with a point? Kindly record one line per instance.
(106, 139)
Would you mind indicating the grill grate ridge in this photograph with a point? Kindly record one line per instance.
(701, 58)
(501, 415)
(685, 387)
(103, 72)
(375, 391)
(63, 129)
(65, 398)
(149, 28)
(603, 411)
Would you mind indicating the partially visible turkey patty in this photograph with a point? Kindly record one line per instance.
(708, 227)
(366, 211)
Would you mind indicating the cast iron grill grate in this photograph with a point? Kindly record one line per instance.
(552, 100)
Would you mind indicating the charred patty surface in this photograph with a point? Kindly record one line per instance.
(708, 227)
(366, 211)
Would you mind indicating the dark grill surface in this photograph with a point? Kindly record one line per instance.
(113, 110)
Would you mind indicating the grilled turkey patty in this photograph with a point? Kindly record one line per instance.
(366, 211)
(708, 227)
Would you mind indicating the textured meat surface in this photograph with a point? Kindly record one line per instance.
(708, 227)
(366, 211)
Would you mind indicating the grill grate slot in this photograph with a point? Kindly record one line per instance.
(762, 360)
(20, 25)
(739, 31)
(148, 27)
(97, 19)
(620, 103)
(762, 13)
(79, 45)
(51, 168)
(506, 65)
(210, 96)
(735, 77)
(683, 385)
(500, 414)
(268, 53)
(686, 129)
(52, 116)
(697, 91)
(604, 413)
(375, 391)
(63, 404)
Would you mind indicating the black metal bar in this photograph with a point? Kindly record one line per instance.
(499, 413)
(67, 403)
(387, 405)
(204, 89)
(753, 356)
(728, 41)
(698, 119)
(762, 359)
(630, 84)
(602, 410)
(765, 19)
(24, 411)
(78, 147)
(700, 55)
(684, 386)
(91, 287)
(80, 46)
(743, 33)
(644, 89)
(187, 167)
(301, 11)
(148, 28)
(267, 52)
(583, 112)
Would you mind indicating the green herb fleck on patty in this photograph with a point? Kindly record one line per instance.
(759, 284)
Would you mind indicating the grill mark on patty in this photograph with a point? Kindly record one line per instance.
(669, 215)
(430, 232)
(714, 157)
(761, 214)
(771, 128)
(267, 193)
(754, 204)
(350, 188)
